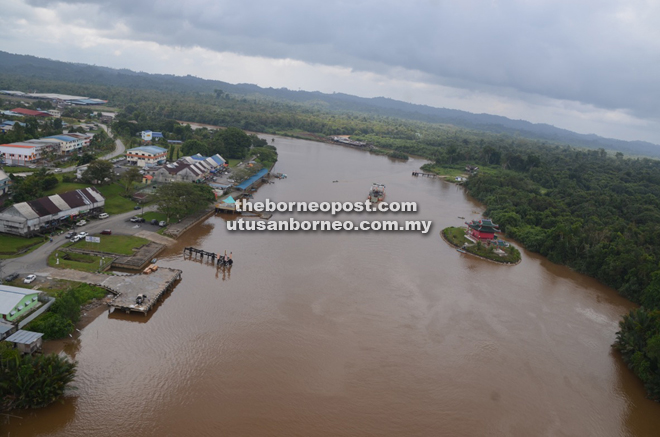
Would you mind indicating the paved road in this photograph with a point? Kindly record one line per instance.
(36, 260)
(119, 150)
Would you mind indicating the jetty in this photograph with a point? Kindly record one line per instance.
(139, 293)
(210, 256)
(426, 175)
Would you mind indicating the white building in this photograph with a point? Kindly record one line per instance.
(68, 144)
(20, 154)
(146, 155)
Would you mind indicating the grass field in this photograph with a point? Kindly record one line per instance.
(12, 246)
(233, 162)
(119, 244)
(19, 169)
(150, 215)
(115, 203)
(77, 261)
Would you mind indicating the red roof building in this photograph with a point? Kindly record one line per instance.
(482, 229)
(30, 112)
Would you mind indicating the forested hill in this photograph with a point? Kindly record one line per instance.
(39, 68)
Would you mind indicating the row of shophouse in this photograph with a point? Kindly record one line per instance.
(33, 152)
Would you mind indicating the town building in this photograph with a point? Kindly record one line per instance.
(20, 154)
(30, 112)
(68, 143)
(146, 156)
(85, 138)
(5, 182)
(8, 125)
(17, 302)
(195, 168)
(42, 215)
(148, 135)
(482, 229)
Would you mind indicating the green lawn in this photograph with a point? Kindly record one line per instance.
(18, 169)
(114, 202)
(150, 215)
(233, 162)
(76, 261)
(12, 246)
(119, 244)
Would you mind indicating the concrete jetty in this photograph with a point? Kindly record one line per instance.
(151, 287)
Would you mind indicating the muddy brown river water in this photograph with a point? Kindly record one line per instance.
(354, 334)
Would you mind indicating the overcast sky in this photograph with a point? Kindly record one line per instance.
(591, 66)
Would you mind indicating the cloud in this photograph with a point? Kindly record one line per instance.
(593, 60)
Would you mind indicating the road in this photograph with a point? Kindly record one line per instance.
(119, 150)
(36, 260)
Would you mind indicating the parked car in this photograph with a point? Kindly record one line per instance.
(106, 232)
(29, 278)
(154, 222)
(82, 235)
(104, 215)
(69, 235)
(11, 277)
(134, 219)
(162, 223)
(137, 207)
(75, 239)
(81, 223)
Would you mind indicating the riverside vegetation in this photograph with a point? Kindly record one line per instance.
(456, 236)
(592, 210)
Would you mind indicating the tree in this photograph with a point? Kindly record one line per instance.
(179, 199)
(191, 147)
(99, 172)
(129, 177)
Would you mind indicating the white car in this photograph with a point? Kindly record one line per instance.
(81, 223)
(29, 278)
(82, 235)
(75, 239)
(104, 215)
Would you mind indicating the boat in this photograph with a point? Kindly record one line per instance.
(377, 193)
(461, 250)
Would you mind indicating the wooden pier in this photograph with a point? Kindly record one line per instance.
(210, 256)
(139, 293)
(426, 175)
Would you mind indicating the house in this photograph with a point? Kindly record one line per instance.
(42, 215)
(482, 229)
(144, 155)
(26, 342)
(5, 182)
(16, 302)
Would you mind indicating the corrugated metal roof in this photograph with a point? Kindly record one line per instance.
(39, 207)
(63, 138)
(57, 200)
(11, 296)
(25, 210)
(24, 337)
(94, 195)
(73, 199)
(4, 327)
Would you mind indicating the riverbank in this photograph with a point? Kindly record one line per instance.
(452, 237)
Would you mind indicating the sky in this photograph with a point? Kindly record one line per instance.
(590, 66)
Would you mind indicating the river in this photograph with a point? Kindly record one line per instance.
(354, 334)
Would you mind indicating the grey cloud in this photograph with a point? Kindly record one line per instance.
(583, 51)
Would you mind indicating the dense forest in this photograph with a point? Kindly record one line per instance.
(592, 210)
